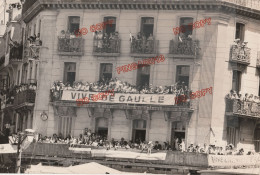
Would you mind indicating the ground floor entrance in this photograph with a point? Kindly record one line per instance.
(139, 130)
(177, 134)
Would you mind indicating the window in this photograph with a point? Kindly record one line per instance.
(236, 80)
(18, 77)
(65, 125)
(69, 73)
(240, 31)
(2, 22)
(187, 25)
(105, 72)
(232, 130)
(73, 24)
(139, 130)
(147, 24)
(182, 75)
(39, 29)
(34, 29)
(110, 28)
(36, 71)
(24, 73)
(143, 77)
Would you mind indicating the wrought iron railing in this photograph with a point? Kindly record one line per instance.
(184, 47)
(241, 107)
(140, 46)
(103, 46)
(25, 96)
(240, 53)
(16, 53)
(70, 46)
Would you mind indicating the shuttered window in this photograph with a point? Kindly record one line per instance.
(65, 125)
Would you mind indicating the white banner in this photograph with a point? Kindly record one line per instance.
(151, 99)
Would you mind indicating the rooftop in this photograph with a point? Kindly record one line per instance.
(250, 8)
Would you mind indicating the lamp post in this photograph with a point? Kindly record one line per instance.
(29, 134)
(19, 151)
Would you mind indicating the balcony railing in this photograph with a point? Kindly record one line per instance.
(70, 46)
(246, 108)
(103, 47)
(240, 53)
(24, 96)
(16, 53)
(144, 48)
(187, 48)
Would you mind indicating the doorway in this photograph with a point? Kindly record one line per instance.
(177, 133)
(139, 130)
(102, 127)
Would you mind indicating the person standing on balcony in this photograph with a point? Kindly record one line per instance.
(150, 43)
(100, 42)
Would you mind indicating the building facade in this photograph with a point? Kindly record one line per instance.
(201, 58)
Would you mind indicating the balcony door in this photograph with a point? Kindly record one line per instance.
(236, 80)
(110, 28)
(147, 25)
(143, 77)
(69, 73)
(139, 130)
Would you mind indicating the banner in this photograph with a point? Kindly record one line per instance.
(150, 99)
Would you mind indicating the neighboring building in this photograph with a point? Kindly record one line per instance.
(10, 65)
(204, 61)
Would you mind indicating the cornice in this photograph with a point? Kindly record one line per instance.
(209, 5)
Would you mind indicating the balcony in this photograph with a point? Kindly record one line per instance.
(240, 53)
(70, 46)
(144, 47)
(186, 48)
(242, 108)
(106, 48)
(16, 54)
(27, 96)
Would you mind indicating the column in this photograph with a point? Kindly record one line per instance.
(130, 130)
(109, 128)
(29, 118)
(148, 126)
(23, 122)
(169, 130)
(16, 121)
(93, 124)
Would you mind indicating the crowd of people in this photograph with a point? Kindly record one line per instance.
(35, 40)
(108, 43)
(121, 87)
(247, 103)
(95, 140)
(243, 97)
(142, 44)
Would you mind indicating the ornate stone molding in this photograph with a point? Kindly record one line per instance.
(220, 6)
(64, 111)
